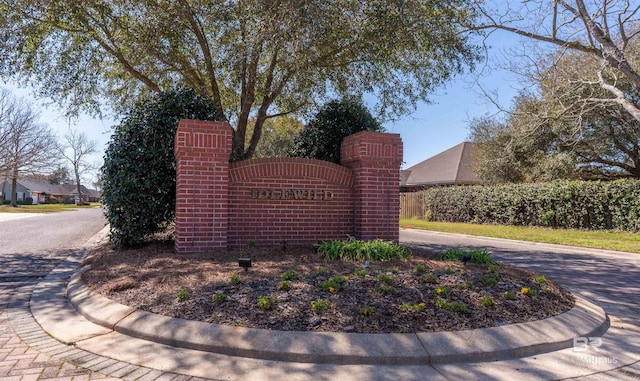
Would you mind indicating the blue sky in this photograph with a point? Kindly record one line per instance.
(431, 129)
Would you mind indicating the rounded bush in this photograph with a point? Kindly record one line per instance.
(322, 137)
(139, 170)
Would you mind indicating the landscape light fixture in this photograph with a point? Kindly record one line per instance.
(245, 263)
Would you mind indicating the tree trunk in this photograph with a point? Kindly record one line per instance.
(4, 187)
(80, 202)
(14, 188)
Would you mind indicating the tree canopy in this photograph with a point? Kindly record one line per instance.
(521, 148)
(254, 59)
(277, 137)
(322, 137)
(606, 31)
(579, 116)
(546, 136)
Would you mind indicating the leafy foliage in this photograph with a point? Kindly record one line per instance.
(289, 275)
(139, 168)
(572, 204)
(476, 256)
(451, 306)
(598, 31)
(253, 59)
(354, 250)
(277, 136)
(322, 137)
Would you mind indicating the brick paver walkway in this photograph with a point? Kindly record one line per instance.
(18, 359)
(28, 353)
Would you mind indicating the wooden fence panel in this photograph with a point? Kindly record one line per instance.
(412, 205)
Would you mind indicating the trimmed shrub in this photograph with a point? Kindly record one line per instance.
(139, 167)
(593, 205)
(322, 137)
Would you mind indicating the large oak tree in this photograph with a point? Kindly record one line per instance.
(255, 59)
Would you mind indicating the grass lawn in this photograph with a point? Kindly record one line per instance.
(628, 242)
(45, 208)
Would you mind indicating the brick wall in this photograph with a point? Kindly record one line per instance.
(202, 152)
(300, 201)
(375, 160)
(268, 201)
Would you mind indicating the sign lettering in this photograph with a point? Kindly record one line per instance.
(291, 194)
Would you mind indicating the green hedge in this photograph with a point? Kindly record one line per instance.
(574, 205)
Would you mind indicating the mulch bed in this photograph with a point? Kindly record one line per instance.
(416, 295)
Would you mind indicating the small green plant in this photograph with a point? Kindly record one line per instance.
(289, 275)
(366, 310)
(183, 295)
(508, 295)
(385, 278)
(219, 298)
(442, 291)
(334, 283)
(530, 292)
(252, 243)
(360, 272)
(285, 285)
(451, 306)
(384, 289)
(429, 278)
(489, 279)
(355, 250)
(449, 271)
(468, 284)
(265, 302)
(413, 307)
(320, 305)
(494, 267)
(235, 279)
(540, 279)
(475, 256)
(340, 278)
(395, 270)
(420, 269)
(486, 301)
(322, 271)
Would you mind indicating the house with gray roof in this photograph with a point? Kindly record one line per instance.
(43, 192)
(451, 167)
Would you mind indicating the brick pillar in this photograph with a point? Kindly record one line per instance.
(202, 152)
(375, 160)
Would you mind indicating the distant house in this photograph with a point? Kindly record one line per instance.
(43, 192)
(451, 167)
(90, 195)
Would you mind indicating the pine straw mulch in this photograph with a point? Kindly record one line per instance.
(153, 279)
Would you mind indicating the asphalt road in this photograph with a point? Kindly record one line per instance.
(36, 243)
(610, 279)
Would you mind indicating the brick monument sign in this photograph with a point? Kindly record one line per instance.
(222, 205)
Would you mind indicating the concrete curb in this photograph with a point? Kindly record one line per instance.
(487, 344)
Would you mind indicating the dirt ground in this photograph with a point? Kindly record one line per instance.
(421, 294)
